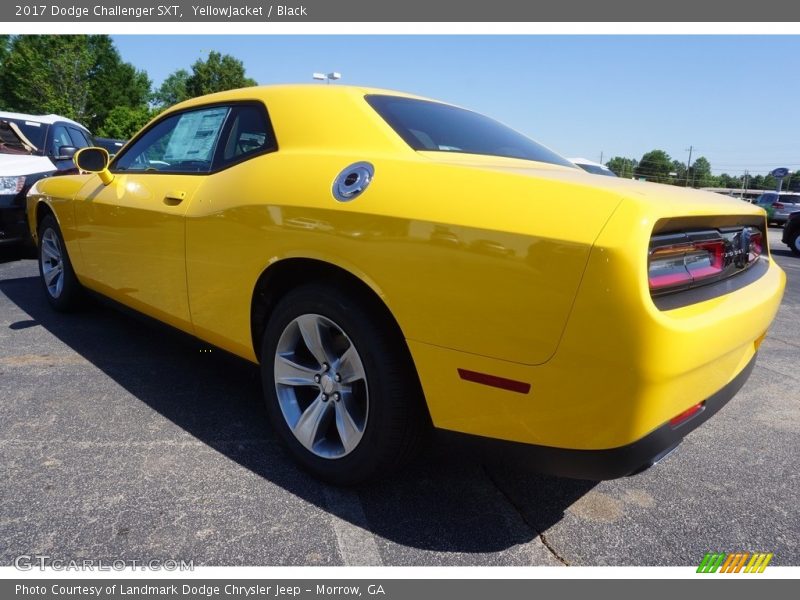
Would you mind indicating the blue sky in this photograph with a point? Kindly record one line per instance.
(734, 98)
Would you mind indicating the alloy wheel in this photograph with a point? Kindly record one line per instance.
(52, 263)
(321, 386)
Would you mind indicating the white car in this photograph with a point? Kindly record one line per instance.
(595, 168)
(32, 147)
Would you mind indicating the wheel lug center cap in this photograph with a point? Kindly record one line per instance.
(327, 384)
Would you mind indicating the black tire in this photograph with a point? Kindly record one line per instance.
(794, 242)
(65, 297)
(396, 421)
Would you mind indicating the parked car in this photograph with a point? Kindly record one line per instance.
(110, 144)
(32, 147)
(778, 206)
(393, 262)
(595, 168)
(791, 233)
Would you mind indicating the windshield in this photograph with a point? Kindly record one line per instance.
(32, 131)
(432, 126)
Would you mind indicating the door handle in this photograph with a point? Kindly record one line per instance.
(174, 198)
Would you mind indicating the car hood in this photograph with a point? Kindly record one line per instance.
(24, 164)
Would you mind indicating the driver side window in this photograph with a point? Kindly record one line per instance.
(181, 143)
(59, 138)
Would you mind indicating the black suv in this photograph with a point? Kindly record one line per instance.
(32, 147)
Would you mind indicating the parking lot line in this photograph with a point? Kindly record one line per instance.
(356, 544)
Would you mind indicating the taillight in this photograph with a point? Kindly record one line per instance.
(777, 205)
(682, 260)
(682, 264)
(756, 246)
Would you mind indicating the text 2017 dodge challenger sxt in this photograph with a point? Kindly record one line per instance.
(393, 262)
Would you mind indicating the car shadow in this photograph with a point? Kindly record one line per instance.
(445, 501)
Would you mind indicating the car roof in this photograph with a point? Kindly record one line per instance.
(314, 115)
(305, 90)
(48, 119)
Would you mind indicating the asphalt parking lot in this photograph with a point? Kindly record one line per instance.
(119, 439)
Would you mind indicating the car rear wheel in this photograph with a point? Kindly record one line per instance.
(794, 243)
(340, 388)
(61, 286)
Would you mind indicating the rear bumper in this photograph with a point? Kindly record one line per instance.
(607, 463)
(780, 218)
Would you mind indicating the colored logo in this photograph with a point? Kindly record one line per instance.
(734, 562)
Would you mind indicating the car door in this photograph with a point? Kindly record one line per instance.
(132, 231)
(221, 259)
(790, 205)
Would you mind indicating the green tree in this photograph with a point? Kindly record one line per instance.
(78, 76)
(794, 182)
(219, 72)
(622, 167)
(47, 74)
(114, 83)
(655, 165)
(123, 121)
(172, 90)
(679, 169)
(729, 181)
(4, 43)
(700, 173)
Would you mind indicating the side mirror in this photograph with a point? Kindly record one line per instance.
(94, 160)
(66, 152)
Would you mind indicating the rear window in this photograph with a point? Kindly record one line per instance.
(790, 199)
(436, 127)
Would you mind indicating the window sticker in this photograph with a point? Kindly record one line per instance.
(194, 135)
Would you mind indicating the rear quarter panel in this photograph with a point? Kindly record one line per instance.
(464, 257)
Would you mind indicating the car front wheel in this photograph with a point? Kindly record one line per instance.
(61, 286)
(339, 385)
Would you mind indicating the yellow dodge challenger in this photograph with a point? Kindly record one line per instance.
(394, 264)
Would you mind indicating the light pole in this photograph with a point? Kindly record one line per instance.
(327, 77)
(688, 167)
